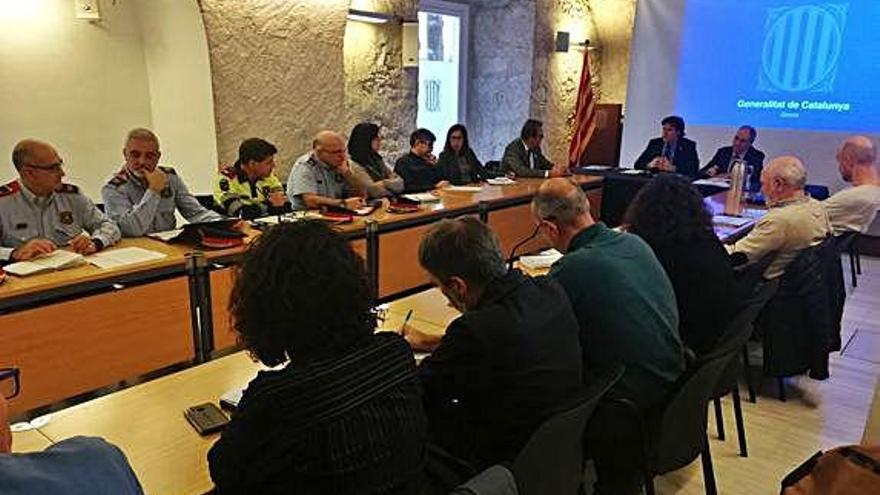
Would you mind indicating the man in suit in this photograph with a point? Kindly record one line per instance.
(507, 363)
(523, 156)
(672, 152)
(742, 150)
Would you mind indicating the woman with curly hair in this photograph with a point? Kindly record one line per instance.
(344, 415)
(367, 165)
(670, 215)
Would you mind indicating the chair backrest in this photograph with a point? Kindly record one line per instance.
(552, 461)
(495, 480)
(733, 339)
(817, 192)
(680, 434)
(844, 241)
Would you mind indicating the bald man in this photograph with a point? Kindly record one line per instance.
(854, 209)
(793, 222)
(323, 177)
(626, 311)
(39, 213)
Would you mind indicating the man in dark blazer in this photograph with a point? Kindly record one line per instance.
(523, 156)
(742, 149)
(672, 152)
(507, 363)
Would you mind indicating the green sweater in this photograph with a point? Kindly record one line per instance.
(626, 309)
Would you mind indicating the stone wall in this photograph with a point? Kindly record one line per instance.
(556, 76)
(377, 87)
(284, 70)
(500, 73)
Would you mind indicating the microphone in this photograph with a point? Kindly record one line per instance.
(519, 245)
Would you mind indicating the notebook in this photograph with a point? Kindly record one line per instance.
(424, 197)
(469, 189)
(500, 181)
(56, 260)
(123, 256)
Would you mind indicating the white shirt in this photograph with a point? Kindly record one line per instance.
(853, 209)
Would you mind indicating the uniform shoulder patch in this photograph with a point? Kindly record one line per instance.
(228, 172)
(68, 189)
(168, 170)
(118, 179)
(10, 189)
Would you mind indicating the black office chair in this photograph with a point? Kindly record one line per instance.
(734, 338)
(678, 436)
(846, 243)
(552, 461)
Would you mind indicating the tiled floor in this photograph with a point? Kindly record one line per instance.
(817, 415)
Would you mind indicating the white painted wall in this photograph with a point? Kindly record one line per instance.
(179, 75)
(81, 86)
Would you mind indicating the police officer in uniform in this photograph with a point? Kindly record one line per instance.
(324, 177)
(248, 189)
(142, 197)
(39, 213)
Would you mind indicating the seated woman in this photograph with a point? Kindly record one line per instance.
(669, 214)
(459, 160)
(344, 416)
(367, 165)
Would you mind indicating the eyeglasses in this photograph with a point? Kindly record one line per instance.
(10, 382)
(52, 167)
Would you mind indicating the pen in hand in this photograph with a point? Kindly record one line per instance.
(405, 321)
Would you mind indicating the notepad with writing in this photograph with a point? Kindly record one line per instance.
(469, 189)
(59, 259)
(500, 181)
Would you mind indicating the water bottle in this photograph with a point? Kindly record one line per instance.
(733, 203)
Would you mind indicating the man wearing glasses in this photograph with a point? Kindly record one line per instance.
(142, 197)
(78, 465)
(39, 213)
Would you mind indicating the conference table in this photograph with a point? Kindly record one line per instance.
(146, 420)
(77, 331)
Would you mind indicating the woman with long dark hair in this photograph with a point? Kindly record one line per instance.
(670, 215)
(367, 164)
(344, 415)
(459, 160)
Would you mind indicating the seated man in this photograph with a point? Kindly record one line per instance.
(523, 156)
(248, 189)
(853, 209)
(626, 310)
(142, 197)
(418, 168)
(672, 152)
(78, 465)
(39, 213)
(323, 177)
(793, 222)
(742, 150)
(507, 363)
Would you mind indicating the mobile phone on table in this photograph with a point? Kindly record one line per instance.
(206, 418)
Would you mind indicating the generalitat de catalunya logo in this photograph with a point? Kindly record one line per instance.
(802, 46)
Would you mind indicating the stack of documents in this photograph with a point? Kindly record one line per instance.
(541, 260)
(115, 258)
(714, 181)
(730, 221)
(56, 260)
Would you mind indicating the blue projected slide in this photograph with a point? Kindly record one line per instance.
(781, 63)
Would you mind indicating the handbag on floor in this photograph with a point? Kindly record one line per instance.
(850, 470)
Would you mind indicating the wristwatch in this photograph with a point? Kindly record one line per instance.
(99, 244)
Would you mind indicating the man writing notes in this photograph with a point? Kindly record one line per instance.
(672, 152)
(39, 213)
(142, 197)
